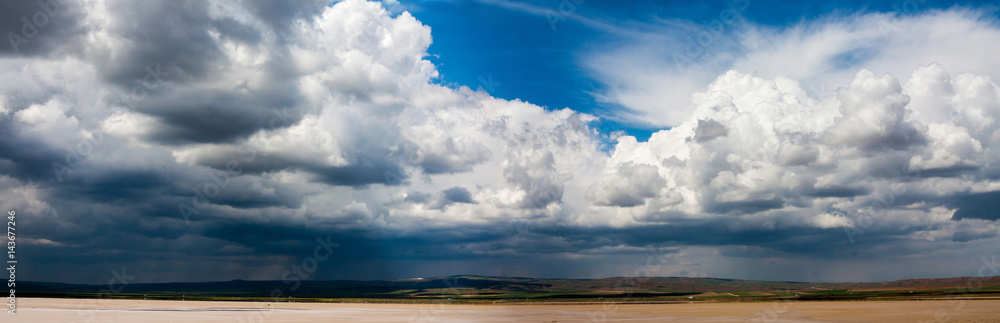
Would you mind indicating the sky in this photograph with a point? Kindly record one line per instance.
(172, 141)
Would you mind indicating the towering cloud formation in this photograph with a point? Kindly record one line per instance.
(758, 148)
(168, 134)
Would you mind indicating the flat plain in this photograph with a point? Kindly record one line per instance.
(39, 310)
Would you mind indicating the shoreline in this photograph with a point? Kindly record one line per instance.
(473, 302)
(41, 310)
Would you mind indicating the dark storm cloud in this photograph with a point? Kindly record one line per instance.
(48, 27)
(783, 237)
(365, 167)
(417, 197)
(743, 207)
(171, 34)
(27, 158)
(841, 191)
(972, 235)
(977, 206)
(176, 36)
(240, 192)
(375, 172)
(214, 116)
(114, 185)
(436, 164)
(281, 14)
(232, 29)
(458, 195)
(954, 171)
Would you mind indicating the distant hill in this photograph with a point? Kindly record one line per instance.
(515, 288)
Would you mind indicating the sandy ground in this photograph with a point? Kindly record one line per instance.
(37, 310)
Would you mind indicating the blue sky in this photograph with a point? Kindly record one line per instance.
(534, 62)
(809, 141)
